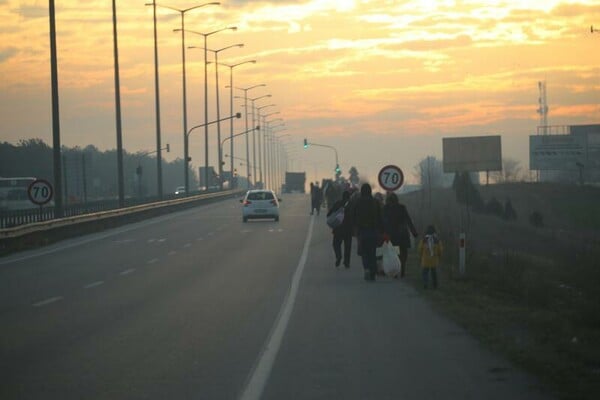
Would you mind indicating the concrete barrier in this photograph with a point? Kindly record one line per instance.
(42, 233)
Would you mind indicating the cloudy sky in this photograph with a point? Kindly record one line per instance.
(382, 81)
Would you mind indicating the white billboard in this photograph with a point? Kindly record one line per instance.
(556, 152)
(474, 153)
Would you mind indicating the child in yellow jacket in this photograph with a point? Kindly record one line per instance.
(430, 252)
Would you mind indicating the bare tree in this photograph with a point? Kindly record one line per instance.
(511, 171)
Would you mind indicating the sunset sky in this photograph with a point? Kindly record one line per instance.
(382, 81)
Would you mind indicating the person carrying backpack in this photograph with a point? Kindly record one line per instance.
(343, 232)
(430, 252)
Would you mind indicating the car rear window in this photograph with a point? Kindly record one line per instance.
(260, 196)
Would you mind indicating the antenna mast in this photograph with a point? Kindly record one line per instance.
(543, 107)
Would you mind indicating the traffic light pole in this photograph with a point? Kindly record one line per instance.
(337, 164)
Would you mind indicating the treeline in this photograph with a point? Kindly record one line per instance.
(89, 173)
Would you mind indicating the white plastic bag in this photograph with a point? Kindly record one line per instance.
(391, 262)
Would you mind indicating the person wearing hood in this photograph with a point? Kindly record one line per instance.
(397, 224)
(342, 233)
(368, 223)
(430, 252)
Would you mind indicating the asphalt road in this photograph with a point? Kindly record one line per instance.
(198, 305)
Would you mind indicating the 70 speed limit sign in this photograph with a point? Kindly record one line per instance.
(40, 192)
(390, 178)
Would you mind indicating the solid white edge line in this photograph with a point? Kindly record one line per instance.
(262, 370)
(127, 271)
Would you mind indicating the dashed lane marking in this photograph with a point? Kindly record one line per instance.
(47, 301)
(93, 284)
(154, 260)
(127, 271)
(187, 245)
(172, 253)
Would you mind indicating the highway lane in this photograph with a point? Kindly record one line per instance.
(176, 307)
(188, 306)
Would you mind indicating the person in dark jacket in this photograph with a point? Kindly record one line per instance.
(368, 222)
(342, 233)
(396, 225)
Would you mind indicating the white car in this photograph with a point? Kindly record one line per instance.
(180, 190)
(260, 204)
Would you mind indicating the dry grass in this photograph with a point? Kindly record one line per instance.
(532, 294)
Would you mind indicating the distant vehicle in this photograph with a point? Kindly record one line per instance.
(294, 182)
(180, 190)
(260, 204)
(13, 193)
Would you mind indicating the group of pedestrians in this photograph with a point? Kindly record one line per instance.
(373, 220)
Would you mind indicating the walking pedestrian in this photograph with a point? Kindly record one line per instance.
(342, 233)
(317, 198)
(368, 222)
(396, 225)
(312, 198)
(430, 253)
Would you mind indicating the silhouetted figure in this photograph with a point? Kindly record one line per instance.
(342, 233)
(368, 222)
(397, 224)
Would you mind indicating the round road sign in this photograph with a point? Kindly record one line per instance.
(40, 192)
(390, 178)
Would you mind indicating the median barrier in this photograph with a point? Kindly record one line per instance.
(43, 233)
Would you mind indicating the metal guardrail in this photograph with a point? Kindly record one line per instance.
(41, 222)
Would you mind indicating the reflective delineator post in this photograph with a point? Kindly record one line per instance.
(461, 253)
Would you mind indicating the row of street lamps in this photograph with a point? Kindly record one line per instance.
(266, 145)
(251, 176)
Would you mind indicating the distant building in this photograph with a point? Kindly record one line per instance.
(567, 154)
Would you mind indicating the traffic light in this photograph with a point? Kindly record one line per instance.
(337, 169)
(305, 144)
(168, 148)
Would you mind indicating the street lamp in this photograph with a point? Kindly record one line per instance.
(186, 161)
(254, 134)
(260, 146)
(266, 151)
(182, 30)
(247, 143)
(206, 35)
(218, 105)
(231, 67)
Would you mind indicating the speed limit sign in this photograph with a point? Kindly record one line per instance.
(390, 178)
(40, 192)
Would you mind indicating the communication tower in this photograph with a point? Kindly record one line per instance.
(543, 108)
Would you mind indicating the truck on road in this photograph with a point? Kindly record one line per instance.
(294, 182)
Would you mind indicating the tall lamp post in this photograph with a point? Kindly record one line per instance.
(260, 145)
(220, 155)
(267, 147)
(120, 178)
(247, 143)
(254, 134)
(231, 67)
(182, 30)
(206, 35)
(237, 115)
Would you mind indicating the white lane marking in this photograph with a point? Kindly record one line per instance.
(161, 240)
(127, 271)
(260, 374)
(154, 260)
(187, 245)
(47, 301)
(172, 253)
(93, 285)
(104, 235)
(151, 240)
(211, 233)
(279, 230)
(123, 241)
(271, 230)
(200, 239)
